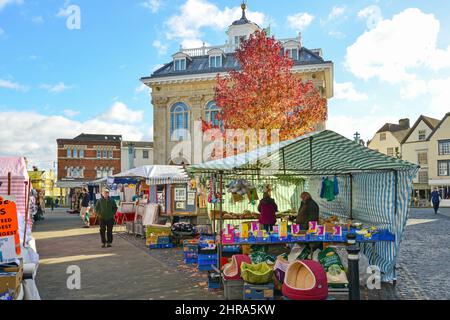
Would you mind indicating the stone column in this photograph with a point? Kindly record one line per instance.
(197, 103)
(160, 129)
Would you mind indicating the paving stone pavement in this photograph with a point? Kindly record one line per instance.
(424, 257)
(130, 271)
(122, 272)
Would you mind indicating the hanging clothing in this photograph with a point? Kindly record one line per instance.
(336, 186)
(330, 189)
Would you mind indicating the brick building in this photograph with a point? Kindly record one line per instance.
(88, 157)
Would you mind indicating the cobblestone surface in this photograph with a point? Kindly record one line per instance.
(422, 264)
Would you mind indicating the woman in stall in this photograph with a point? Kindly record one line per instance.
(267, 209)
(309, 211)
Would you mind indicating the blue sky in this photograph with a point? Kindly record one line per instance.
(392, 60)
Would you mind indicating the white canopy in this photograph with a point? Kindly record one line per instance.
(156, 174)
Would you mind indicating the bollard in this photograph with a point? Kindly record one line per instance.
(353, 271)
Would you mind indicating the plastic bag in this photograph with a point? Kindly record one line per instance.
(363, 263)
(334, 268)
(299, 252)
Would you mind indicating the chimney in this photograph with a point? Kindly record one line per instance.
(404, 123)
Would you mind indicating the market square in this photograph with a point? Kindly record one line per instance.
(225, 151)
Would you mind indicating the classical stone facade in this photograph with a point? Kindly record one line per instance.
(189, 80)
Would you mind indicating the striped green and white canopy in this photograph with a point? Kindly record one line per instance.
(323, 152)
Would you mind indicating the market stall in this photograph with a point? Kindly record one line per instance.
(373, 198)
(162, 192)
(18, 257)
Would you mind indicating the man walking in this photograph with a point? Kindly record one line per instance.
(106, 208)
(85, 208)
(435, 200)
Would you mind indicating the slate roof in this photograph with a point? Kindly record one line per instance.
(97, 137)
(138, 144)
(200, 65)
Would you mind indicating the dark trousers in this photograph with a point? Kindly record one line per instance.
(436, 206)
(106, 230)
(268, 227)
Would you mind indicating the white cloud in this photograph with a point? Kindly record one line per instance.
(365, 125)
(142, 88)
(440, 96)
(35, 139)
(119, 112)
(55, 88)
(413, 89)
(7, 84)
(160, 47)
(152, 5)
(336, 12)
(196, 15)
(396, 46)
(300, 21)
(372, 14)
(347, 91)
(4, 3)
(70, 113)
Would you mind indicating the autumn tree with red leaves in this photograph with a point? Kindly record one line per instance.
(264, 94)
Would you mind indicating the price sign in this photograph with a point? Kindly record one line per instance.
(9, 230)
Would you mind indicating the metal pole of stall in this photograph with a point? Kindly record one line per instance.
(353, 267)
(220, 198)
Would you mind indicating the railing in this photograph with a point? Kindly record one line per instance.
(230, 48)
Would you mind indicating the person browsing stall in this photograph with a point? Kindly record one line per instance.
(309, 211)
(267, 209)
(106, 209)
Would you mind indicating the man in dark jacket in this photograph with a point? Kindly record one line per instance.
(309, 211)
(106, 209)
(84, 208)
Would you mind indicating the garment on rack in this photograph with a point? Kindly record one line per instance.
(328, 189)
(336, 186)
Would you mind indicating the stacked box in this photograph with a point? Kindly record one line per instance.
(205, 261)
(233, 289)
(161, 246)
(213, 280)
(258, 291)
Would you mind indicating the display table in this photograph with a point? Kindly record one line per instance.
(121, 218)
(380, 236)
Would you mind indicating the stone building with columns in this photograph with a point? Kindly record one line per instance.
(183, 89)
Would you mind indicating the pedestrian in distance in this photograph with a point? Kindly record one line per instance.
(106, 208)
(435, 200)
(84, 211)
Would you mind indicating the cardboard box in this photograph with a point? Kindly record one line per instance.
(12, 282)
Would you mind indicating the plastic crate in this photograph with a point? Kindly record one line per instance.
(233, 289)
(258, 292)
(161, 246)
(190, 261)
(235, 249)
(190, 248)
(213, 280)
(163, 240)
(191, 255)
(206, 257)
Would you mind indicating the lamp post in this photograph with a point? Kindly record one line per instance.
(353, 267)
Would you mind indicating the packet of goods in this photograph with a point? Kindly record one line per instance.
(312, 227)
(282, 231)
(334, 268)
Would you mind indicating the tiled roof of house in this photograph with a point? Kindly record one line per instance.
(200, 64)
(436, 128)
(431, 122)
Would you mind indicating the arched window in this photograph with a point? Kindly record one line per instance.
(179, 121)
(211, 113)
